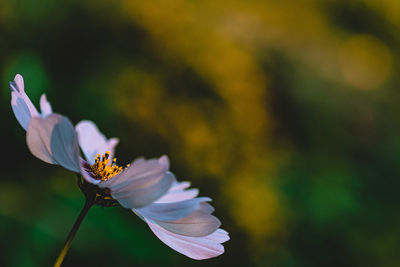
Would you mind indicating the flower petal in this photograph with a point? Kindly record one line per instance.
(136, 198)
(111, 144)
(198, 248)
(177, 192)
(164, 160)
(140, 173)
(22, 106)
(199, 223)
(86, 172)
(53, 140)
(140, 184)
(171, 211)
(45, 106)
(187, 216)
(93, 142)
(19, 82)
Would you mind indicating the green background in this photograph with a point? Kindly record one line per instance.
(285, 113)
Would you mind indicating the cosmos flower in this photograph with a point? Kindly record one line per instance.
(173, 212)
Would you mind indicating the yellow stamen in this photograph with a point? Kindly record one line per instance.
(103, 169)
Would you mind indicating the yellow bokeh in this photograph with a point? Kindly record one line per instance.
(234, 139)
(222, 42)
(365, 61)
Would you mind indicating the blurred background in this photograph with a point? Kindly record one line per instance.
(287, 114)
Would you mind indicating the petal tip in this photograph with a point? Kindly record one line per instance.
(19, 81)
(164, 160)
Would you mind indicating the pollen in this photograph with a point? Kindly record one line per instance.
(104, 168)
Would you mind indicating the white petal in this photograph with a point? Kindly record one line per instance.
(171, 211)
(220, 236)
(21, 110)
(45, 106)
(177, 192)
(111, 144)
(22, 106)
(198, 248)
(164, 160)
(93, 142)
(53, 140)
(180, 185)
(86, 172)
(140, 184)
(189, 216)
(199, 223)
(140, 173)
(39, 147)
(138, 197)
(19, 81)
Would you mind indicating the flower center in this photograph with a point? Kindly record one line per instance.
(104, 169)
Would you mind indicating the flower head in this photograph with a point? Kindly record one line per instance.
(173, 212)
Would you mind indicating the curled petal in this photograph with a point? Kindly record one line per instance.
(22, 106)
(93, 142)
(53, 140)
(198, 248)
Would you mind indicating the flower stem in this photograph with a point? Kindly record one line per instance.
(71, 235)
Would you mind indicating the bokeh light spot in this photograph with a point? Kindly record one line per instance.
(365, 61)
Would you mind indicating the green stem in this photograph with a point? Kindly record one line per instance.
(71, 235)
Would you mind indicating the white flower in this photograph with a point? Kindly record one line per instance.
(174, 213)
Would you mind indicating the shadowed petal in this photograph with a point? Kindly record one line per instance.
(131, 197)
(199, 223)
(185, 216)
(171, 211)
(178, 211)
(189, 217)
(198, 248)
(22, 106)
(53, 140)
(21, 110)
(141, 183)
(140, 173)
(93, 142)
